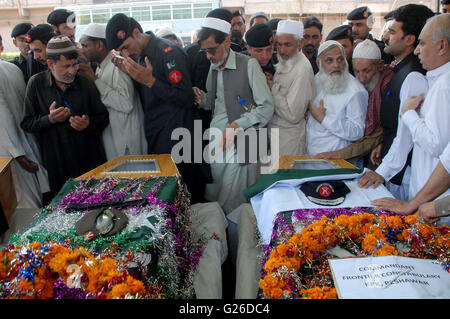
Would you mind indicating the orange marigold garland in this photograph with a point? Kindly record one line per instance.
(48, 271)
(298, 268)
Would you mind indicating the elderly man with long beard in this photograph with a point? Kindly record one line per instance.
(292, 88)
(337, 115)
(371, 71)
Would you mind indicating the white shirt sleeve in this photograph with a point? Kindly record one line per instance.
(11, 141)
(414, 84)
(445, 158)
(431, 130)
(351, 125)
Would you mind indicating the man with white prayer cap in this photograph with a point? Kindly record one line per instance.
(337, 115)
(292, 88)
(371, 71)
(246, 104)
(125, 133)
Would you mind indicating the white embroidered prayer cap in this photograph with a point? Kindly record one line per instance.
(95, 30)
(367, 50)
(328, 45)
(290, 27)
(216, 24)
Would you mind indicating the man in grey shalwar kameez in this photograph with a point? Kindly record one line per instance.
(242, 100)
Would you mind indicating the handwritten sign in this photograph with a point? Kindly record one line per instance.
(389, 277)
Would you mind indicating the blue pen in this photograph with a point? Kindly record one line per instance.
(68, 106)
(387, 95)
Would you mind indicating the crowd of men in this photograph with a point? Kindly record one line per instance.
(67, 107)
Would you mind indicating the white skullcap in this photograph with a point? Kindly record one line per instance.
(367, 50)
(95, 30)
(164, 32)
(328, 45)
(217, 24)
(290, 27)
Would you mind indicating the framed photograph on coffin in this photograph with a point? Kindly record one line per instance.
(135, 166)
(311, 162)
(8, 197)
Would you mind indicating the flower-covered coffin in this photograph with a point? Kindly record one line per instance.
(295, 263)
(154, 254)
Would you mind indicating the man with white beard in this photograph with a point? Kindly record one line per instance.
(292, 88)
(337, 115)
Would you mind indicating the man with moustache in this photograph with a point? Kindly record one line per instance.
(37, 38)
(426, 118)
(371, 71)
(238, 95)
(125, 133)
(337, 115)
(408, 80)
(63, 22)
(237, 31)
(292, 89)
(62, 108)
(312, 36)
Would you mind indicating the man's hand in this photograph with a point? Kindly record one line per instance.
(228, 136)
(428, 212)
(375, 156)
(318, 113)
(87, 70)
(139, 73)
(369, 179)
(270, 83)
(58, 115)
(269, 76)
(330, 155)
(197, 95)
(79, 123)
(27, 165)
(395, 205)
(412, 103)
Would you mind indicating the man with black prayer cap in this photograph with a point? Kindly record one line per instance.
(361, 21)
(64, 111)
(63, 22)
(18, 35)
(343, 35)
(161, 70)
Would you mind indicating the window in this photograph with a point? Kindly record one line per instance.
(83, 17)
(100, 15)
(141, 13)
(182, 11)
(202, 9)
(161, 12)
(120, 10)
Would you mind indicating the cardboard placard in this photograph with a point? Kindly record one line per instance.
(389, 277)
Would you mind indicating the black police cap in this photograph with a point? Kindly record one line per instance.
(326, 193)
(260, 35)
(43, 32)
(58, 16)
(21, 28)
(221, 13)
(340, 32)
(360, 13)
(118, 29)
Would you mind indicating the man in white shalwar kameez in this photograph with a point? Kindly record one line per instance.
(426, 116)
(30, 178)
(293, 87)
(125, 133)
(337, 115)
(230, 178)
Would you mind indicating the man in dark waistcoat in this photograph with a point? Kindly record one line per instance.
(408, 80)
(160, 69)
